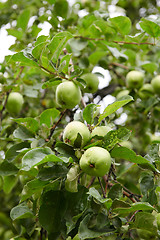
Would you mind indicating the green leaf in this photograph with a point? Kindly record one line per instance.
(116, 53)
(9, 182)
(150, 27)
(23, 133)
(147, 183)
(90, 112)
(98, 28)
(19, 57)
(32, 187)
(138, 206)
(115, 192)
(150, 67)
(120, 204)
(130, 155)
(84, 232)
(51, 211)
(114, 107)
(64, 63)
(95, 194)
(30, 123)
(57, 44)
(115, 136)
(61, 8)
(51, 83)
(15, 33)
(41, 39)
(7, 169)
(144, 220)
(38, 49)
(48, 116)
(122, 24)
(38, 156)
(96, 56)
(23, 19)
(48, 173)
(66, 150)
(21, 211)
(16, 150)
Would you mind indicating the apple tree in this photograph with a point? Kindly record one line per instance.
(79, 120)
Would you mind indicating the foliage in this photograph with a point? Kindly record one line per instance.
(44, 193)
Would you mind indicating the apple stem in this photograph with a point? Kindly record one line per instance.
(103, 192)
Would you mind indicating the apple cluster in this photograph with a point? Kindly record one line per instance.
(95, 161)
(135, 80)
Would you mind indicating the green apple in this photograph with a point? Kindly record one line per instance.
(134, 79)
(156, 84)
(146, 91)
(14, 103)
(122, 93)
(71, 132)
(100, 131)
(68, 94)
(96, 161)
(92, 82)
(126, 144)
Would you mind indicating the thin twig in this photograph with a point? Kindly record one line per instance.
(4, 105)
(91, 182)
(134, 43)
(133, 215)
(106, 181)
(103, 192)
(53, 73)
(20, 72)
(117, 73)
(55, 125)
(83, 102)
(136, 196)
(118, 42)
(119, 65)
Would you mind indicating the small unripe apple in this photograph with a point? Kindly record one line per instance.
(100, 131)
(146, 91)
(134, 79)
(156, 84)
(14, 103)
(71, 132)
(68, 94)
(92, 82)
(96, 161)
(126, 144)
(122, 93)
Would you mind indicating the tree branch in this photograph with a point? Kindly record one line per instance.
(118, 42)
(55, 125)
(4, 105)
(53, 73)
(91, 182)
(103, 192)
